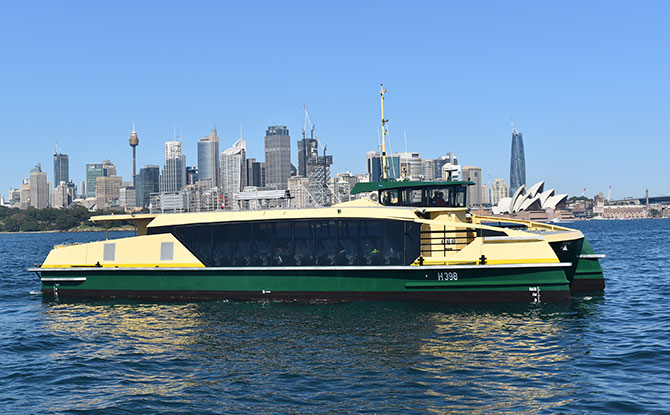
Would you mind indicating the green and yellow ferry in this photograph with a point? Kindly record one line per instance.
(412, 241)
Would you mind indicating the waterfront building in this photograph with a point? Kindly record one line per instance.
(173, 177)
(14, 197)
(233, 171)
(61, 169)
(38, 188)
(277, 157)
(24, 194)
(499, 190)
(208, 163)
(474, 192)
(298, 189)
(517, 168)
(107, 191)
(61, 196)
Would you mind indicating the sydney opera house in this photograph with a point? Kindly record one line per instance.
(534, 203)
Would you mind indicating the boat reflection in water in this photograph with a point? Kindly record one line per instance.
(259, 355)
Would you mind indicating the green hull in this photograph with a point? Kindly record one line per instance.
(588, 275)
(453, 284)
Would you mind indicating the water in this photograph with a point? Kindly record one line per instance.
(600, 354)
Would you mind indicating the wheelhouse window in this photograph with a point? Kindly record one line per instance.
(429, 196)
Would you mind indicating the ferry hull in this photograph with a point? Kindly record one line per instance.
(589, 276)
(465, 284)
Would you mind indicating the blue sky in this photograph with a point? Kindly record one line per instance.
(586, 82)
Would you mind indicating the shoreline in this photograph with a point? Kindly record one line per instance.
(73, 231)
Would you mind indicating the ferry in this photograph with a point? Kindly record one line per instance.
(412, 241)
(409, 240)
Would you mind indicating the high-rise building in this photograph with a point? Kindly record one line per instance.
(499, 189)
(39, 188)
(429, 169)
(93, 171)
(148, 182)
(277, 156)
(173, 178)
(233, 171)
(255, 173)
(61, 169)
(373, 161)
(191, 175)
(517, 167)
(315, 168)
(127, 197)
(450, 159)
(107, 190)
(108, 168)
(297, 187)
(24, 194)
(411, 165)
(474, 192)
(208, 154)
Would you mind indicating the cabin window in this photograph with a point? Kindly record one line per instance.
(369, 251)
(303, 243)
(347, 242)
(109, 252)
(167, 251)
(324, 245)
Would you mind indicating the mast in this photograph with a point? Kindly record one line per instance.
(384, 131)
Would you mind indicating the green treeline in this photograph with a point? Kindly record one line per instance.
(49, 219)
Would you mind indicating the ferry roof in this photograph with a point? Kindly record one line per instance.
(376, 186)
(121, 217)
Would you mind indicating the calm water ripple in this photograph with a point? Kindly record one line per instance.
(600, 354)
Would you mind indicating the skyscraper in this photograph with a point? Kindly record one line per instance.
(499, 189)
(93, 171)
(517, 167)
(147, 183)
(233, 163)
(61, 169)
(208, 154)
(474, 192)
(173, 178)
(277, 156)
(39, 188)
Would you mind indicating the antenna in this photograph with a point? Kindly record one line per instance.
(405, 132)
(384, 131)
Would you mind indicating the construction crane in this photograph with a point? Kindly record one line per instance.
(308, 121)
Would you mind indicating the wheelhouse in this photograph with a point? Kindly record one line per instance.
(451, 194)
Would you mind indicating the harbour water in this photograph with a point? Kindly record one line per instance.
(600, 354)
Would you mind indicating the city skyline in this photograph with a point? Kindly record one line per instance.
(582, 82)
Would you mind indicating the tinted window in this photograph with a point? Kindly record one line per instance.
(369, 242)
(324, 242)
(303, 243)
(347, 242)
(261, 243)
(393, 241)
(281, 244)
